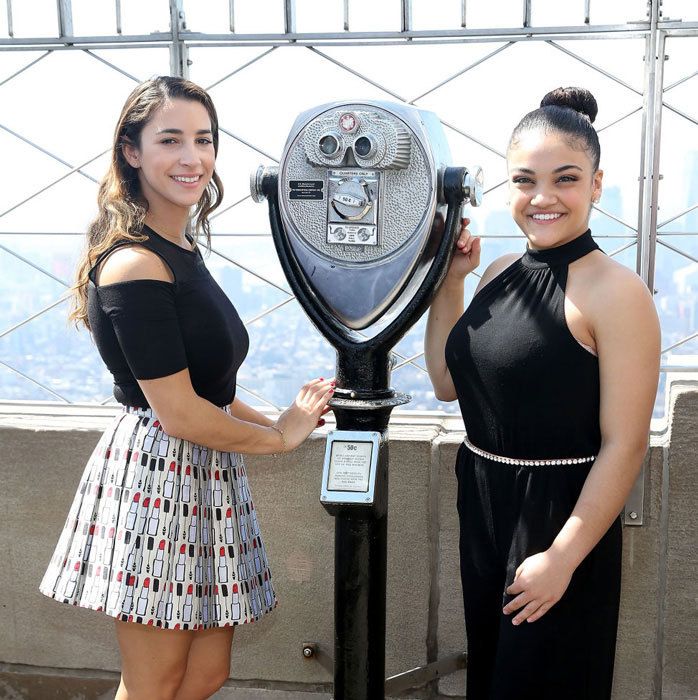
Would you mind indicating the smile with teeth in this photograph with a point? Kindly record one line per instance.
(545, 217)
(181, 178)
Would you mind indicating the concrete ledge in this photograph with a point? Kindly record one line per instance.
(53, 651)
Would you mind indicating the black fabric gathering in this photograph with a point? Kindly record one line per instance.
(147, 329)
(529, 390)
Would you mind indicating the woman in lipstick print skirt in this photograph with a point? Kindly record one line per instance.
(163, 534)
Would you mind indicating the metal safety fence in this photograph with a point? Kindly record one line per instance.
(263, 63)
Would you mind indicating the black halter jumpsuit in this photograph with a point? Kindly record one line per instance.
(527, 389)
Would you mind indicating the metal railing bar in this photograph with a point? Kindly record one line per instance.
(357, 74)
(679, 29)
(410, 360)
(239, 234)
(43, 44)
(35, 266)
(82, 47)
(61, 300)
(346, 15)
(679, 368)
(615, 218)
(10, 25)
(397, 41)
(290, 16)
(237, 70)
(231, 16)
(266, 312)
(65, 18)
(473, 139)
(681, 342)
(464, 13)
(55, 182)
(618, 251)
(44, 151)
(521, 236)
(587, 11)
(680, 81)
(252, 272)
(677, 250)
(620, 119)
(21, 70)
(678, 216)
(257, 396)
(106, 401)
(465, 70)
(494, 187)
(34, 381)
(593, 66)
(117, 12)
(526, 13)
(246, 143)
(406, 15)
(630, 29)
(216, 214)
(111, 65)
(673, 109)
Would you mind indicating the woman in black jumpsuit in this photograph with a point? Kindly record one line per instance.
(554, 365)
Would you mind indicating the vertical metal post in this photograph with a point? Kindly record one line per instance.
(651, 132)
(406, 15)
(587, 11)
(117, 9)
(65, 18)
(10, 27)
(360, 578)
(179, 61)
(464, 13)
(346, 15)
(231, 15)
(290, 16)
(526, 13)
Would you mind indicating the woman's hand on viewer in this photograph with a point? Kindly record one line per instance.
(540, 581)
(304, 414)
(466, 256)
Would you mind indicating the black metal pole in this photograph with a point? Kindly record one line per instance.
(361, 556)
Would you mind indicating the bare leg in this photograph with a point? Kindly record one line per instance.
(208, 664)
(153, 661)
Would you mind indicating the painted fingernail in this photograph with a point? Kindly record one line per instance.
(322, 379)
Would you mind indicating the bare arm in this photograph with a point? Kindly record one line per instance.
(627, 333)
(184, 414)
(626, 328)
(244, 412)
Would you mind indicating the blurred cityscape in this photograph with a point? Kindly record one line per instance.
(285, 349)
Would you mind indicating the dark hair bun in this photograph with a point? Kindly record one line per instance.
(578, 99)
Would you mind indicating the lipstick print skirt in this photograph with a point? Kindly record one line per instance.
(162, 532)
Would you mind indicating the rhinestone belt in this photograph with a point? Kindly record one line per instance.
(525, 462)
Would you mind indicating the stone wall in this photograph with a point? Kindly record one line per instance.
(43, 449)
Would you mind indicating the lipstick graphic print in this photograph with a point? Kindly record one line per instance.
(162, 533)
(72, 581)
(132, 512)
(159, 559)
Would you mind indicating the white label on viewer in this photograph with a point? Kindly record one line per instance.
(350, 466)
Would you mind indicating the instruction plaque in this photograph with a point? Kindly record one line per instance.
(349, 471)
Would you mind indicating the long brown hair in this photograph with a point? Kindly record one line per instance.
(121, 204)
